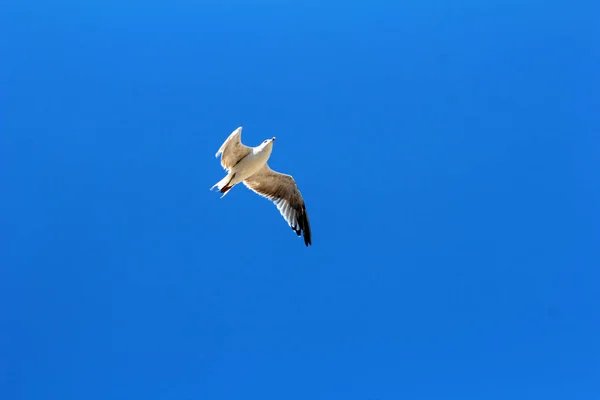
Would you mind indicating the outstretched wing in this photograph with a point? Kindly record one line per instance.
(232, 150)
(282, 190)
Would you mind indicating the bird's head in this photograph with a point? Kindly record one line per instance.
(268, 142)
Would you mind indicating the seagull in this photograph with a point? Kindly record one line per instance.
(249, 166)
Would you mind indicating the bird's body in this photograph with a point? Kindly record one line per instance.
(245, 167)
(249, 165)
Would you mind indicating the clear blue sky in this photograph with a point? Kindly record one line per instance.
(448, 153)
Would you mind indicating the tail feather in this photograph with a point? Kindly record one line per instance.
(224, 184)
(226, 190)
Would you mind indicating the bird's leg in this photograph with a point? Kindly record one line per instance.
(228, 186)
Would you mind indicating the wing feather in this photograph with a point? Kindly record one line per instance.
(282, 190)
(232, 150)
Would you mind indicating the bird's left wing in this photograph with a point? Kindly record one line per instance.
(282, 190)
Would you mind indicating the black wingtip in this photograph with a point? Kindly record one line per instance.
(305, 226)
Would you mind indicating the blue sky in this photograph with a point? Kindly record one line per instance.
(446, 152)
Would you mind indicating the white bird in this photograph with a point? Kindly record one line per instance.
(249, 165)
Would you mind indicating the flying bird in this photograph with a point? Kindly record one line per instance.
(249, 166)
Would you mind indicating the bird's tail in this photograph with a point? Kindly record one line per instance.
(224, 184)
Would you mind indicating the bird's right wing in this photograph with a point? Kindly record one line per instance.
(232, 150)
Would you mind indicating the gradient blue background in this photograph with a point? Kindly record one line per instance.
(448, 153)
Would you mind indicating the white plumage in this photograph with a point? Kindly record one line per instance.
(249, 165)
